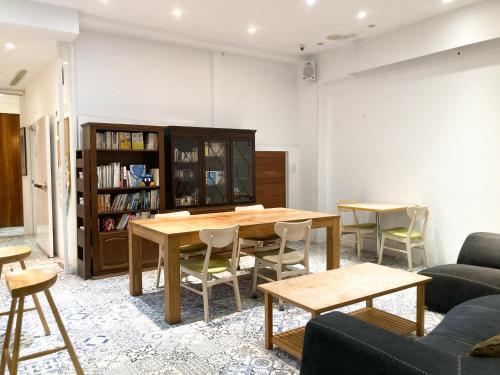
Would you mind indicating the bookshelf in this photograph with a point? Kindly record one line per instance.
(110, 167)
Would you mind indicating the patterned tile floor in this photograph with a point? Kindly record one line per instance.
(114, 333)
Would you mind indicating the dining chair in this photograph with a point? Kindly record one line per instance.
(185, 251)
(409, 236)
(359, 230)
(259, 243)
(212, 269)
(284, 261)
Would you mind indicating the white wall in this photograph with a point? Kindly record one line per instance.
(424, 134)
(120, 78)
(9, 104)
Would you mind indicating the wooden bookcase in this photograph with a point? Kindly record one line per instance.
(106, 252)
(209, 169)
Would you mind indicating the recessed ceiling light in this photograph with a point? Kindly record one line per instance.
(65, 63)
(177, 12)
(252, 30)
(362, 15)
(448, 1)
(310, 2)
(10, 46)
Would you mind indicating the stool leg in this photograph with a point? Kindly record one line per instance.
(38, 306)
(64, 334)
(6, 342)
(17, 337)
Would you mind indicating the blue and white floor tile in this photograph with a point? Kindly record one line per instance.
(115, 333)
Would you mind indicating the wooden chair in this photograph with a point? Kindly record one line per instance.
(19, 254)
(185, 251)
(284, 260)
(359, 230)
(208, 268)
(22, 284)
(408, 235)
(259, 243)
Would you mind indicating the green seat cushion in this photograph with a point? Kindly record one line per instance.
(402, 232)
(290, 256)
(272, 237)
(215, 265)
(360, 226)
(188, 249)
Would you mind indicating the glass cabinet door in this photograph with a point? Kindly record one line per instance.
(216, 191)
(186, 171)
(243, 170)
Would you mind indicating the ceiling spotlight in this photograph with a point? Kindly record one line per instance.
(177, 12)
(10, 46)
(252, 30)
(310, 2)
(448, 1)
(362, 15)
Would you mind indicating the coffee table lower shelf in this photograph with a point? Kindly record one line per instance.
(291, 341)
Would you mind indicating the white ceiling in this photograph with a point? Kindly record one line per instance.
(281, 24)
(33, 52)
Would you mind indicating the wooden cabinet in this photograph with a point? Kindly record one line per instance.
(109, 193)
(210, 169)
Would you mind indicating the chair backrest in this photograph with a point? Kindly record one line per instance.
(481, 249)
(249, 208)
(173, 214)
(350, 210)
(219, 238)
(416, 214)
(294, 232)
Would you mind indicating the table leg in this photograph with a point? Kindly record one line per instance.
(420, 309)
(268, 320)
(172, 280)
(135, 263)
(377, 222)
(369, 302)
(333, 244)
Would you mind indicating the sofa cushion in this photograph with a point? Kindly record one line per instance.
(453, 284)
(466, 325)
(489, 348)
(481, 249)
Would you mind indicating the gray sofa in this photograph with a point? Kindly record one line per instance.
(476, 274)
(337, 343)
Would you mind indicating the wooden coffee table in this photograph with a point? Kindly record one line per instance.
(326, 291)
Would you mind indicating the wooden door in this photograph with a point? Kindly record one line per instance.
(270, 175)
(11, 191)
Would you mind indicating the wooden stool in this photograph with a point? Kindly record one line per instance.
(21, 284)
(19, 254)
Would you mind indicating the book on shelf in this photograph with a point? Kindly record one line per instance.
(151, 141)
(115, 175)
(137, 141)
(142, 200)
(125, 141)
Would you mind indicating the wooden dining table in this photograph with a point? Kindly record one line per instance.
(175, 232)
(378, 208)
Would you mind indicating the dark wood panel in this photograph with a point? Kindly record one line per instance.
(11, 193)
(270, 176)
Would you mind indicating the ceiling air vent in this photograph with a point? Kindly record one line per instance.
(339, 37)
(18, 77)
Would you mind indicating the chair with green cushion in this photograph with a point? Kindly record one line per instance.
(185, 251)
(214, 269)
(259, 243)
(285, 261)
(409, 236)
(359, 230)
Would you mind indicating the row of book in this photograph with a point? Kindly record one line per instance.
(109, 224)
(114, 175)
(142, 200)
(109, 140)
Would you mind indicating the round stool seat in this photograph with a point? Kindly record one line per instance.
(14, 254)
(26, 282)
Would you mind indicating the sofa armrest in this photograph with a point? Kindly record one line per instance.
(481, 249)
(453, 284)
(338, 343)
